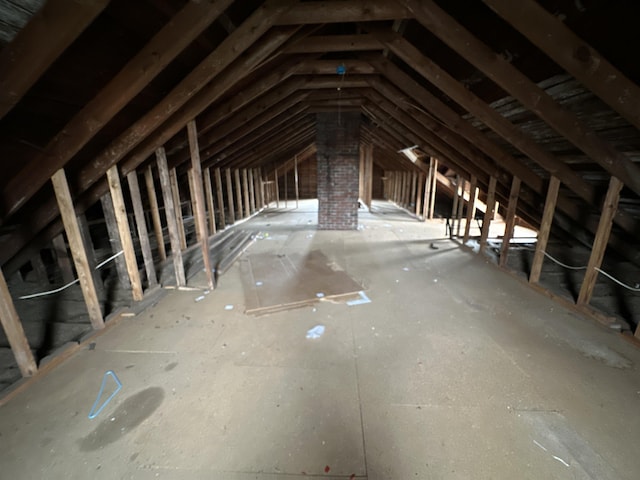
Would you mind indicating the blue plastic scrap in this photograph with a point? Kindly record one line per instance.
(359, 301)
(95, 412)
(341, 70)
(315, 332)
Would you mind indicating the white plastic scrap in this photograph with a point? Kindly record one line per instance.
(228, 307)
(201, 297)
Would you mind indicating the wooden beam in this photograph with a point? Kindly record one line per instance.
(343, 11)
(577, 57)
(47, 34)
(460, 189)
(471, 207)
(155, 212)
(192, 205)
(601, 240)
(454, 207)
(232, 214)
(208, 190)
(214, 64)
(514, 82)
(488, 214)
(76, 244)
(62, 255)
(41, 271)
(170, 214)
(220, 193)
(177, 202)
(239, 209)
(111, 223)
(200, 213)
(174, 37)
(141, 226)
(245, 190)
(87, 241)
(252, 196)
(510, 220)
(439, 110)
(125, 233)
(277, 188)
(432, 190)
(545, 229)
(503, 127)
(368, 178)
(270, 90)
(334, 43)
(14, 332)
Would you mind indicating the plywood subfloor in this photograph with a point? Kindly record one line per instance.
(274, 282)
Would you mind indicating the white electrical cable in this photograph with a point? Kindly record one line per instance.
(64, 287)
(609, 276)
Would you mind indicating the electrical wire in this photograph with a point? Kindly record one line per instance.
(64, 287)
(608, 275)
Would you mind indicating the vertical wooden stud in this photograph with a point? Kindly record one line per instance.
(238, 194)
(277, 192)
(198, 197)
(463, 184)
(471, 207)
(510, 220)
(230, 204)
(245, 191)
(177, 202)
(170, 214)
(122, 220)
(488, 214)
(62, 255)
(454, 207)
(609, 209)
(545, 229)
(14, 332)
(78, 252)
(295, 179)
(114, 238)
(141, 226)
(432, 190)
(252, 193)
(220, 194)
(155, 212)
(193, 205)
(208, 190)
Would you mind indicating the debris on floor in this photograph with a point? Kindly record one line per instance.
(95, 410)
(315, 332)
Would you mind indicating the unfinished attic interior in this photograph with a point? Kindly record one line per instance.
(344, 239)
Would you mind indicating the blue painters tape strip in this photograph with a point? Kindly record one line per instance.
(94, 413)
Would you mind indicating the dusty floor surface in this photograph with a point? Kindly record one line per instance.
(453, 371)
